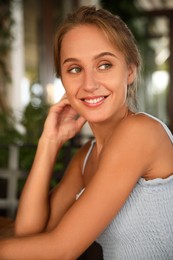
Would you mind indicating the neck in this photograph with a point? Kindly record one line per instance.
(102, 131)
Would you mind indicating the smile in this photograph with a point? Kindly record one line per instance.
(95, 101)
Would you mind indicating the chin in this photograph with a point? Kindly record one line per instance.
(96, 119)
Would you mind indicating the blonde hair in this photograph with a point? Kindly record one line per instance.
(117, 32)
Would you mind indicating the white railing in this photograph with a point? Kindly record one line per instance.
(11, 175)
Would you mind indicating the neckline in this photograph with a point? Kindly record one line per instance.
(156, 181)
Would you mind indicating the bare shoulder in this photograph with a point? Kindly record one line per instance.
(142, 142)
(152, 129)
(143, 129)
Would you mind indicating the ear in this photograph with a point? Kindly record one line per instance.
(132, 71)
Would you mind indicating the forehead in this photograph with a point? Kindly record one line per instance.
(86, 39)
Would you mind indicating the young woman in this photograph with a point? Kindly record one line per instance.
(118, 189)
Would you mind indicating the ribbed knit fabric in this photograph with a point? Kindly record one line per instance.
(143, 228)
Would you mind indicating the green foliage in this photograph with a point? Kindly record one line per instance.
(6, 23)
(8, 132)
(27, 153)
(33, 121)
(138, 24)
(34, 115)
(3, 157)
(128, 12)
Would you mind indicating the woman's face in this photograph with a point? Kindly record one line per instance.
(94, 73)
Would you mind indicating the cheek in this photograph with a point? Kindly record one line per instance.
(71, 97)
(118, 84)
(72, 91)
(69, 84)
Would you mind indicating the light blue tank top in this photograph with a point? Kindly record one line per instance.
(143, 228)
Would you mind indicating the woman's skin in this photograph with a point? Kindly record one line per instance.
(96, 77)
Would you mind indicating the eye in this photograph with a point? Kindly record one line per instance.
(74, 70)
(105, 66)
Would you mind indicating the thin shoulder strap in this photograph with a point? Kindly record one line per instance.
(87, 155)
(163, 124)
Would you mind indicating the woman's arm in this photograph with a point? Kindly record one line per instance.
(33, 210)
(34, 206)
(64, 194)
(122, 162)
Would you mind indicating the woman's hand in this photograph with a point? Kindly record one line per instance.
(62, 122)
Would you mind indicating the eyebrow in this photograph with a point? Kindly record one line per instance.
(100, 55)
(106, 53)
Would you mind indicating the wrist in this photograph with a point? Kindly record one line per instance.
(45, 157)
(48, 148)
(50, 141)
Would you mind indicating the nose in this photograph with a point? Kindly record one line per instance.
(90, 82)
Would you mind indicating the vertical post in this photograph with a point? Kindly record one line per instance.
(17, 59)
(13, 157)
(13, 162)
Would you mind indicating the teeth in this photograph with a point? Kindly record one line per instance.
(94, 101)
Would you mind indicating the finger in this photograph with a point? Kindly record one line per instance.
(60, 105)
(80, 121)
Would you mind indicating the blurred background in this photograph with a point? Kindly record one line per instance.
(28, 85)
